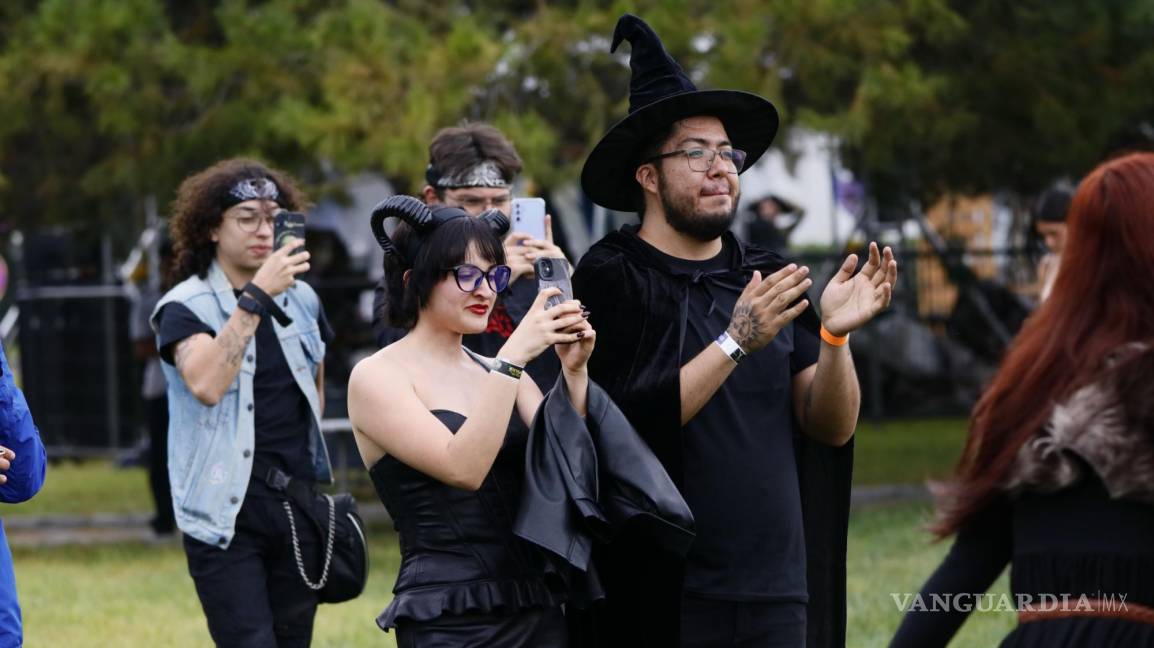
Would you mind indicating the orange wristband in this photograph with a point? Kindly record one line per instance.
(832, 339)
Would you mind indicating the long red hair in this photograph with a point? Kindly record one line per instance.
(1103, 297)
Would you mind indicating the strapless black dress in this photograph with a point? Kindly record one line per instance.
(465, 579)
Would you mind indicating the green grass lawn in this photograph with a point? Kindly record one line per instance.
(140, 595)
(892, 452)
(890, 553)
(907, 452)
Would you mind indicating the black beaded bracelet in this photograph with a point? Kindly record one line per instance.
(266, 301)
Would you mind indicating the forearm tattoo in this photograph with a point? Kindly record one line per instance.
(744, 326)
(181, 352)
(233, 344)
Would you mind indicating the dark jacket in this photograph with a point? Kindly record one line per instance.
(585, 479)
(638, 308)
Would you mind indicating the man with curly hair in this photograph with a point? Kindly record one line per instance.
(243, 345)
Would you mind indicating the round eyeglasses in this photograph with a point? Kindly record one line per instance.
(469, 277)
(701, 159)
(250, 222)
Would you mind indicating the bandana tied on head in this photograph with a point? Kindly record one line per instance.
(484, 174)
(251, 189)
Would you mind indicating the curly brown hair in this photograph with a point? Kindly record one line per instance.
(197, 210)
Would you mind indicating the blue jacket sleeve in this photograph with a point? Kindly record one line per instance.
(18, 432)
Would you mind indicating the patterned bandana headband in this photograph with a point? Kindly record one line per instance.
(251, 189)
(485, 174)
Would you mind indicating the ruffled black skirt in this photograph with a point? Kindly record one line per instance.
(531, 628)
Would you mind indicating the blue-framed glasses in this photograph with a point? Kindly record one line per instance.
(469, 277)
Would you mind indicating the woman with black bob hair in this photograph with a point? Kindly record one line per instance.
(430, 418)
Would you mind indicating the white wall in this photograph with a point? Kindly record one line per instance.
(808, 184)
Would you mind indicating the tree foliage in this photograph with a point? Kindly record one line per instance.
(107, 101)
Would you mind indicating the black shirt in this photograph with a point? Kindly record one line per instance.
(281, 416)
(740, 470)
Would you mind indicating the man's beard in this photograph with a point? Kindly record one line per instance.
(680, 214)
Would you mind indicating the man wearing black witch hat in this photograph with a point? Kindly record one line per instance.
(716, 355)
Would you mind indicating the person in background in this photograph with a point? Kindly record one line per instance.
(1057, 475)
(243, 344)
(1050, 225)
(771, 221)
(23, 463)
(154, 390)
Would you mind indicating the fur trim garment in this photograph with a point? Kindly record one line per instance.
(1090, 430)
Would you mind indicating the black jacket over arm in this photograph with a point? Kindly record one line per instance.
(585, 480)
(636, 307)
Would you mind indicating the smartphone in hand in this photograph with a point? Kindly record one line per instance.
(288, 225)
(553, 272)
(528, 217)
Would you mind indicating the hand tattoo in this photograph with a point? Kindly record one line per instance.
(744, 326)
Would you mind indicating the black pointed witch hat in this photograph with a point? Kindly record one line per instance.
(659, 94)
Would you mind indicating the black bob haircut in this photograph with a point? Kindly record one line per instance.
(444, 247)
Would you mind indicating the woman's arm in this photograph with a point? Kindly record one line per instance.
(979, 554)
(529, 398)
(384, 409)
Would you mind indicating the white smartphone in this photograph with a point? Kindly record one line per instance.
(529, 217)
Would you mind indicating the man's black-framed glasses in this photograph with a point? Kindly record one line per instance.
(469, 277)
(701, 159)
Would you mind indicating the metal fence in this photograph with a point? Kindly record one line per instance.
(929, 355)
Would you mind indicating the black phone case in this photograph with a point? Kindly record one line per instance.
(285, 225)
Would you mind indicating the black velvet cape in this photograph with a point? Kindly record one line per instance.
(638, 310)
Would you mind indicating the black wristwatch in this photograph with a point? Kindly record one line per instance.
(268, 304)
(250, 305)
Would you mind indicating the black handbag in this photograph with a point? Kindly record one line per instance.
(345, 567)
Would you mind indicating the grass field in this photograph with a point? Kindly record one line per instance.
(140, 595)
(904, 452)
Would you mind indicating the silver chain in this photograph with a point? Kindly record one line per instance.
(328, 543)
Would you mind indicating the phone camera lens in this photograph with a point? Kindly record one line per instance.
(546, 268)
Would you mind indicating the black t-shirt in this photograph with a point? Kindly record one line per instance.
(281, 415)
(740, 470)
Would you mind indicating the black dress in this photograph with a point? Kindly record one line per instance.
(465, 579)
(1078, 541)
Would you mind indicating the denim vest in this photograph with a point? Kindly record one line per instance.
(210, 448)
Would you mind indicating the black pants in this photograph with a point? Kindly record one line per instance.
(707, 623)
(157, 412)
(252, 592)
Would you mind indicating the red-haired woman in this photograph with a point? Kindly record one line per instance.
(1057, 476)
